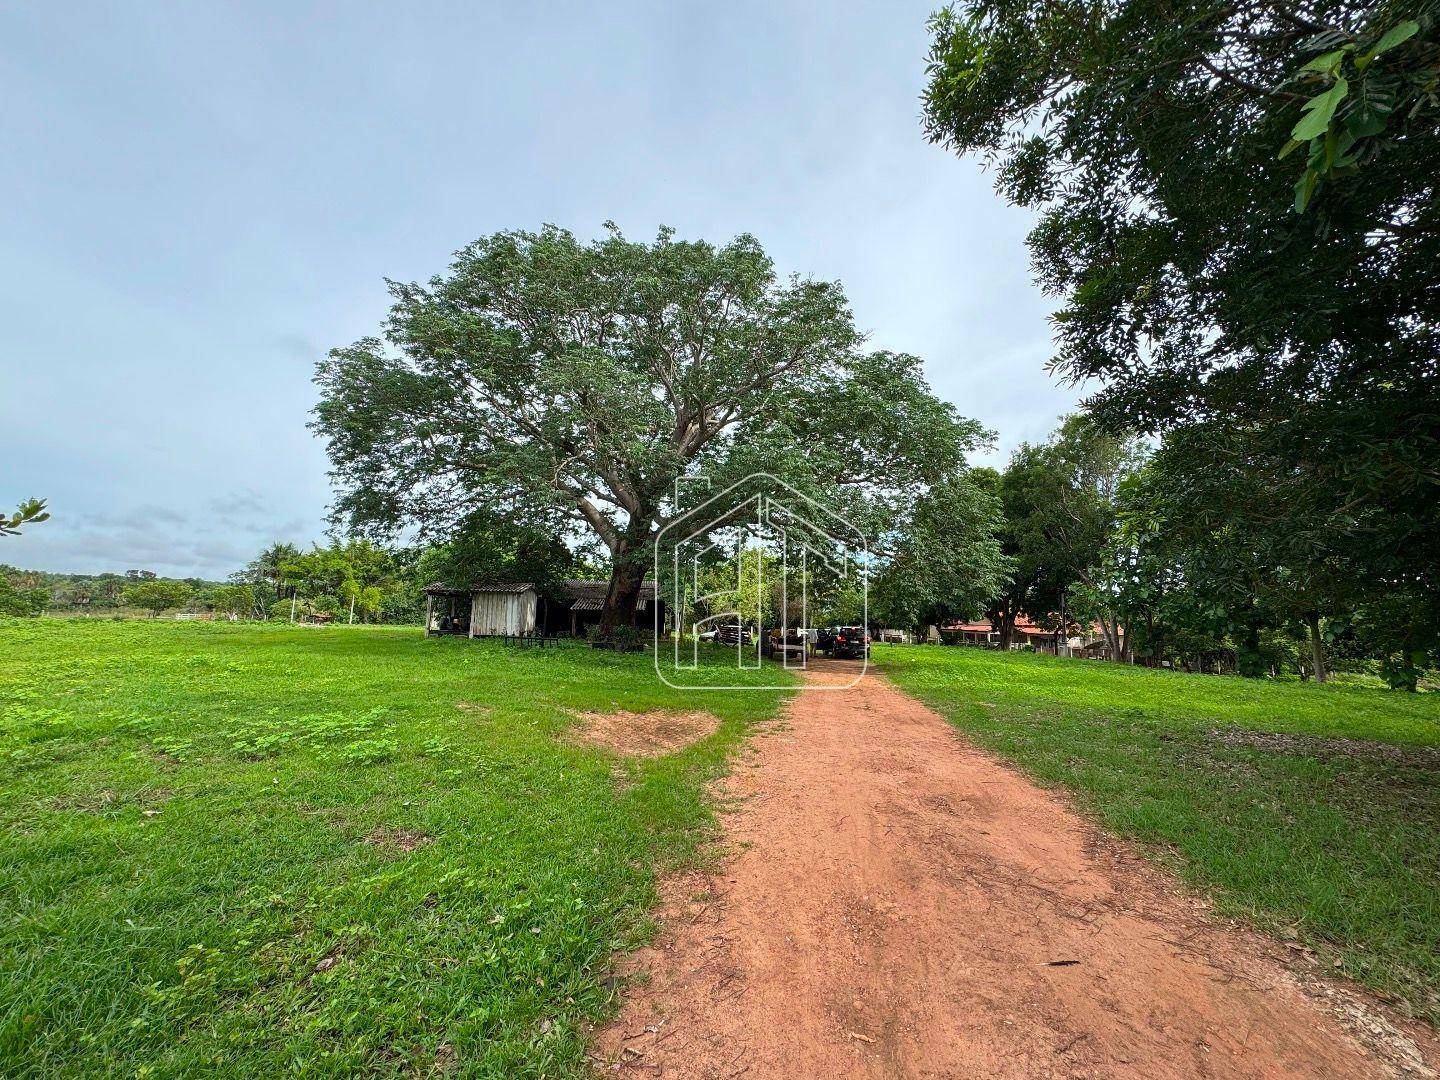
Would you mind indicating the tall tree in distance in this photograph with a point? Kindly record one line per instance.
(944, 560)
(267, 570)
(568, 385)
(1088, 467)
(157, 594)
(1039, 570)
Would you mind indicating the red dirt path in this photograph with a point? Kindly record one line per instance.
(898, 903)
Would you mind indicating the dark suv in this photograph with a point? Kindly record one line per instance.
(844, 642)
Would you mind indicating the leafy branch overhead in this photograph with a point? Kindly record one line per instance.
(31, 512)
(1196, 305)
(1362, 100)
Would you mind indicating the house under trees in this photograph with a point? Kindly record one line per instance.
(566, 608)
(1089, 643)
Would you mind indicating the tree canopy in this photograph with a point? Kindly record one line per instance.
(943, 560)
(1237, 207)
(157, 594)
(567, 386)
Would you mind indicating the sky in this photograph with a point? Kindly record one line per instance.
(199, 200)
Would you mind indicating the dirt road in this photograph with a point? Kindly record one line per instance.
(897, 903)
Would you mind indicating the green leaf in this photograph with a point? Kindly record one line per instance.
(1319, 111)
(1370, 106)
(1304, 189)
(1328, 62)
(1289, 148)
(1363, 123)
(1337, 142)
(1396, 35)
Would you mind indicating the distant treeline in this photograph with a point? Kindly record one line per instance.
(358, 581)
(345, 581)
(33, 592)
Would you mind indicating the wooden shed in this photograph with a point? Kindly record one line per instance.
(504, 609)
(523, 609)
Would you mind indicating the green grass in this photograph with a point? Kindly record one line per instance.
(1329, 834)
(189, 880)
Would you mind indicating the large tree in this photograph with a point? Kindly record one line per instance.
(942, 561)
(569, 385)
(1237, 205)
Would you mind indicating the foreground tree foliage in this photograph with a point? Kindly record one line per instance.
(567, 386)
(1238, 207)
(30, 512)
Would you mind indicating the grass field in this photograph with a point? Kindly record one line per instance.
(247, 850)
(1311, 811)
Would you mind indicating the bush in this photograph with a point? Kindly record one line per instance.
(234, 600)
(157, 595)
(25, 603)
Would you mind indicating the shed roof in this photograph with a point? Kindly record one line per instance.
(582, 589)
(597, 603)
(585, 595)
(439, 588)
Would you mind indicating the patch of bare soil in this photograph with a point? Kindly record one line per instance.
(898, 903)
(648, 734)
(403, 840)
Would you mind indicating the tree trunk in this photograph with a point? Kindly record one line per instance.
(626, 577)
(1113, 644)
(1317, 648)
(1007, 630)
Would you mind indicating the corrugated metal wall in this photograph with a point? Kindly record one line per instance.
(502, 613)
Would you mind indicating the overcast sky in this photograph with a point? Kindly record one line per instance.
(200, 199)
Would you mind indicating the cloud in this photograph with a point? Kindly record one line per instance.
(238, 507)
(162, 327)
(212, 544)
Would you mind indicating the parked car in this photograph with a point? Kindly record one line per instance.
(733, 634)
(845, 642)
(786, 644)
